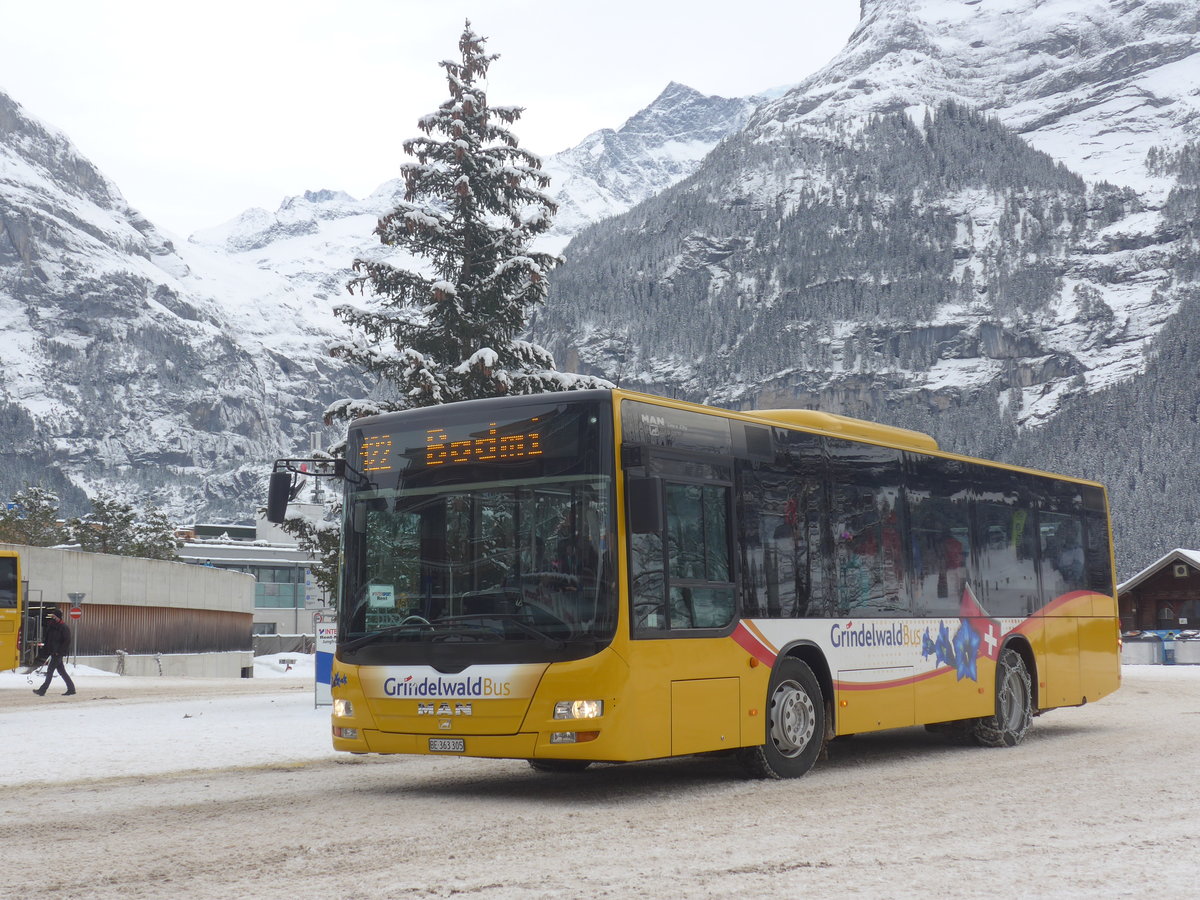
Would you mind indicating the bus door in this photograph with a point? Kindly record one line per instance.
(682, 607)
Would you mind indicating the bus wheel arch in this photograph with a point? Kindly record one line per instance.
(1022, 646)
(795, 727)
(1007, 726)
(811, 655)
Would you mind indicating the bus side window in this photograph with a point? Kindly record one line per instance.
(8, 582)
(1061, 539)
(868, 531)
(938, 494)
(1007, 573)
(1098, 576)
(774, 545)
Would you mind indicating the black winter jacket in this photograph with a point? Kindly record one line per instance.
(56, 640)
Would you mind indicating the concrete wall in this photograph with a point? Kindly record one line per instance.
(233, 664)
(129, 581)
(164, 605)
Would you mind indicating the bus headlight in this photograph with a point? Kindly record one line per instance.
(343, 709)
(578, 709)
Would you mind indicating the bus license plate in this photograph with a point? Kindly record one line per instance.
(447, 745)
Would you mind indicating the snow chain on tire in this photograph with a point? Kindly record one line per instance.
(1014, 704)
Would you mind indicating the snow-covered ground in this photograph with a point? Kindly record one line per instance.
(245, 799)
(117, 726)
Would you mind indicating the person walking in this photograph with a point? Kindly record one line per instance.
(56, 642)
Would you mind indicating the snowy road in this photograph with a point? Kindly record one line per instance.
(1098, 802)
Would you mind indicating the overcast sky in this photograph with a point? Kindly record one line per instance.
(200, 110)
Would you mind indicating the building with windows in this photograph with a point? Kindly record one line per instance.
(285, 593)
(1164, 596)
(139, 616)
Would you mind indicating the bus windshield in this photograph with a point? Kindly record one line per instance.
(479, 535)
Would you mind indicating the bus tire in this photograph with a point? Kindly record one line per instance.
(558, 765)
(795, 724)
(1014, 704)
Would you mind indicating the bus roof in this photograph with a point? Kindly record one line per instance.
(835, 425)
(830, 424)
(813, 420)
(845, 426)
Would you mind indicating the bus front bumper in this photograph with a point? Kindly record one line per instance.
(496, 746)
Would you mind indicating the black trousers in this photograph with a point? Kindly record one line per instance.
(55, 664)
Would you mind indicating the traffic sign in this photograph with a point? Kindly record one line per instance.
(76, 612)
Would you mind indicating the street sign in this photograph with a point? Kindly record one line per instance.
(76, 612)
(325, 623)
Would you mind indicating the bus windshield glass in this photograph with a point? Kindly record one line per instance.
(479, 533)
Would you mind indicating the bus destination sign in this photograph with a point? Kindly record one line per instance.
(447, 446)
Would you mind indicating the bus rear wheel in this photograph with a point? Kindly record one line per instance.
(795, 724)
(1014, 704)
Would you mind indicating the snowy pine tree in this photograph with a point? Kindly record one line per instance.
(31, 517)
(473, 205)
(114, 527)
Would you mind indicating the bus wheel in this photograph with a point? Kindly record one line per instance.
(558, 765)
(1014, 701)
(795, 726)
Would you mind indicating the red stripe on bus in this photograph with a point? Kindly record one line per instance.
(1028, 624)
(881, 685)
(753, 645)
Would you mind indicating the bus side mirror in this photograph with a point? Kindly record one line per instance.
(644, 504)
(279, 491)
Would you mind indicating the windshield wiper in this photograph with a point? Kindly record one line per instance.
(386, 632)
(457, 626)
(521, 625)
(438, 629)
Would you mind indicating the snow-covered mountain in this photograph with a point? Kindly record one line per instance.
(611, 171)
(313, 238)
(980, 220)
(975, 220)
(173, 372)
(165, 373)
(1092, 83)
(1095, 85)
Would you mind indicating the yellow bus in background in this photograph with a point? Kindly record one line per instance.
(11, 610)
(611, 576)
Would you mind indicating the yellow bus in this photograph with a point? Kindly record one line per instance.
(11, 609)
(611, 576)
